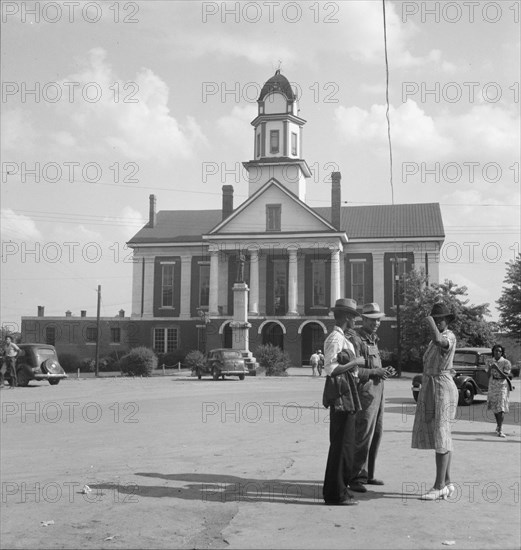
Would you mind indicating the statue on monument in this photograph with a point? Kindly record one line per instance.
(240, 268)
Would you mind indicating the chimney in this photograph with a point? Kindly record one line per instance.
(227, 200)
(152, 211)
(83, 313)
(122, 313)
(335, 199)
(68, 313)
(41, 311)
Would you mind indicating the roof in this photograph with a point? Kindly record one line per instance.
(389, 221)
(358, 222)
(278, 83)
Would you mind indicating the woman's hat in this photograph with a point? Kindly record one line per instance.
(441, 310)
(346, 305)
(372, 311)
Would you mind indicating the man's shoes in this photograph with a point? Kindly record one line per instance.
(347, 502)
(358, 487)
(375, 482)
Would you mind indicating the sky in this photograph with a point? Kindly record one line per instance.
(104, 103)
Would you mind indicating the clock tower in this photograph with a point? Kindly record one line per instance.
(277, 141)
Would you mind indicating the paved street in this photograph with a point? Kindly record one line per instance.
(173, 462)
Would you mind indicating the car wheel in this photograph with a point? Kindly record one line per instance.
(466, 394)
(54, 381)
(215, 373)
(241, 376)
(23, 378)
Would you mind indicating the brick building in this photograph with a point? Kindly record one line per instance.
(298, 260)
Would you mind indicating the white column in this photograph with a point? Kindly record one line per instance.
(186, 278)
(254, 283)
(335, 275)
(292, 282)
(214, 282)
(378, 279)
(434, 267)
(137, 285)
(148, 287)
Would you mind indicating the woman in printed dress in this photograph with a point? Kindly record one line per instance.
(499, 386)
(437, 401)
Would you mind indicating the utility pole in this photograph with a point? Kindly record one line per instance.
(398, 332)
(98, 330)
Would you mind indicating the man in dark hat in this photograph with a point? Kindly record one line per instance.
(369, 421)
(339, 365)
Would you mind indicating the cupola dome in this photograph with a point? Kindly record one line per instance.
(277, 83)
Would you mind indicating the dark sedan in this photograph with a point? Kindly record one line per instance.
(471, 376)
(223, 362)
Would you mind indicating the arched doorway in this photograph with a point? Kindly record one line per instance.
(312, 339)
(227, 336)
(272, 334)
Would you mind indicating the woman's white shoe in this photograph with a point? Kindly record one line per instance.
(436, 494)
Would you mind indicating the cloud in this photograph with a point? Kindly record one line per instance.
(412, 129)
(237, 123)
(132, 220)
(18, 227)
(18, 132)
(259, 51)
(130, 119)
(484, 132)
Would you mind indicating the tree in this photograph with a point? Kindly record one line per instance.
(470, 326)
(510, 299)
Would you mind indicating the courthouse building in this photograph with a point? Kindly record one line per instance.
(297, 259)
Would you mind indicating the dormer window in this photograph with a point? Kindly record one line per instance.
(273, 217)
(274, 141)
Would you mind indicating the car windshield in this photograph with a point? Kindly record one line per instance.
(231, 355)
(465, 358)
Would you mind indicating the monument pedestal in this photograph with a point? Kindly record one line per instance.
(240, 326)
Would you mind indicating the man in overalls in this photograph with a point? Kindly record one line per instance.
(369, 420)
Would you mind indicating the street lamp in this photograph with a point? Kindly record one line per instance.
(204, 316)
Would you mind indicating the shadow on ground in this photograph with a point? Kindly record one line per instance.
(227, 488)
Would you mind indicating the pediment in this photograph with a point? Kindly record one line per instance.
(251, 217)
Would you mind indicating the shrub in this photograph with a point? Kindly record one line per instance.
(273, 359)
(140, 361)
(88, 365)
(170, 359)
(110, 362)
(69, 362)
(195, 359)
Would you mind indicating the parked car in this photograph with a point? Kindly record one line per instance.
(37, 362)
(223, 362)
(471, 376)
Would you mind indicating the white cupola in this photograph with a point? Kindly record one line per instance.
(277, 146)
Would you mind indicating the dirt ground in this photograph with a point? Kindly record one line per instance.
(174, 462)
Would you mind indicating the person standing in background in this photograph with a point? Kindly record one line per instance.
(10, 351)
(499, 386)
